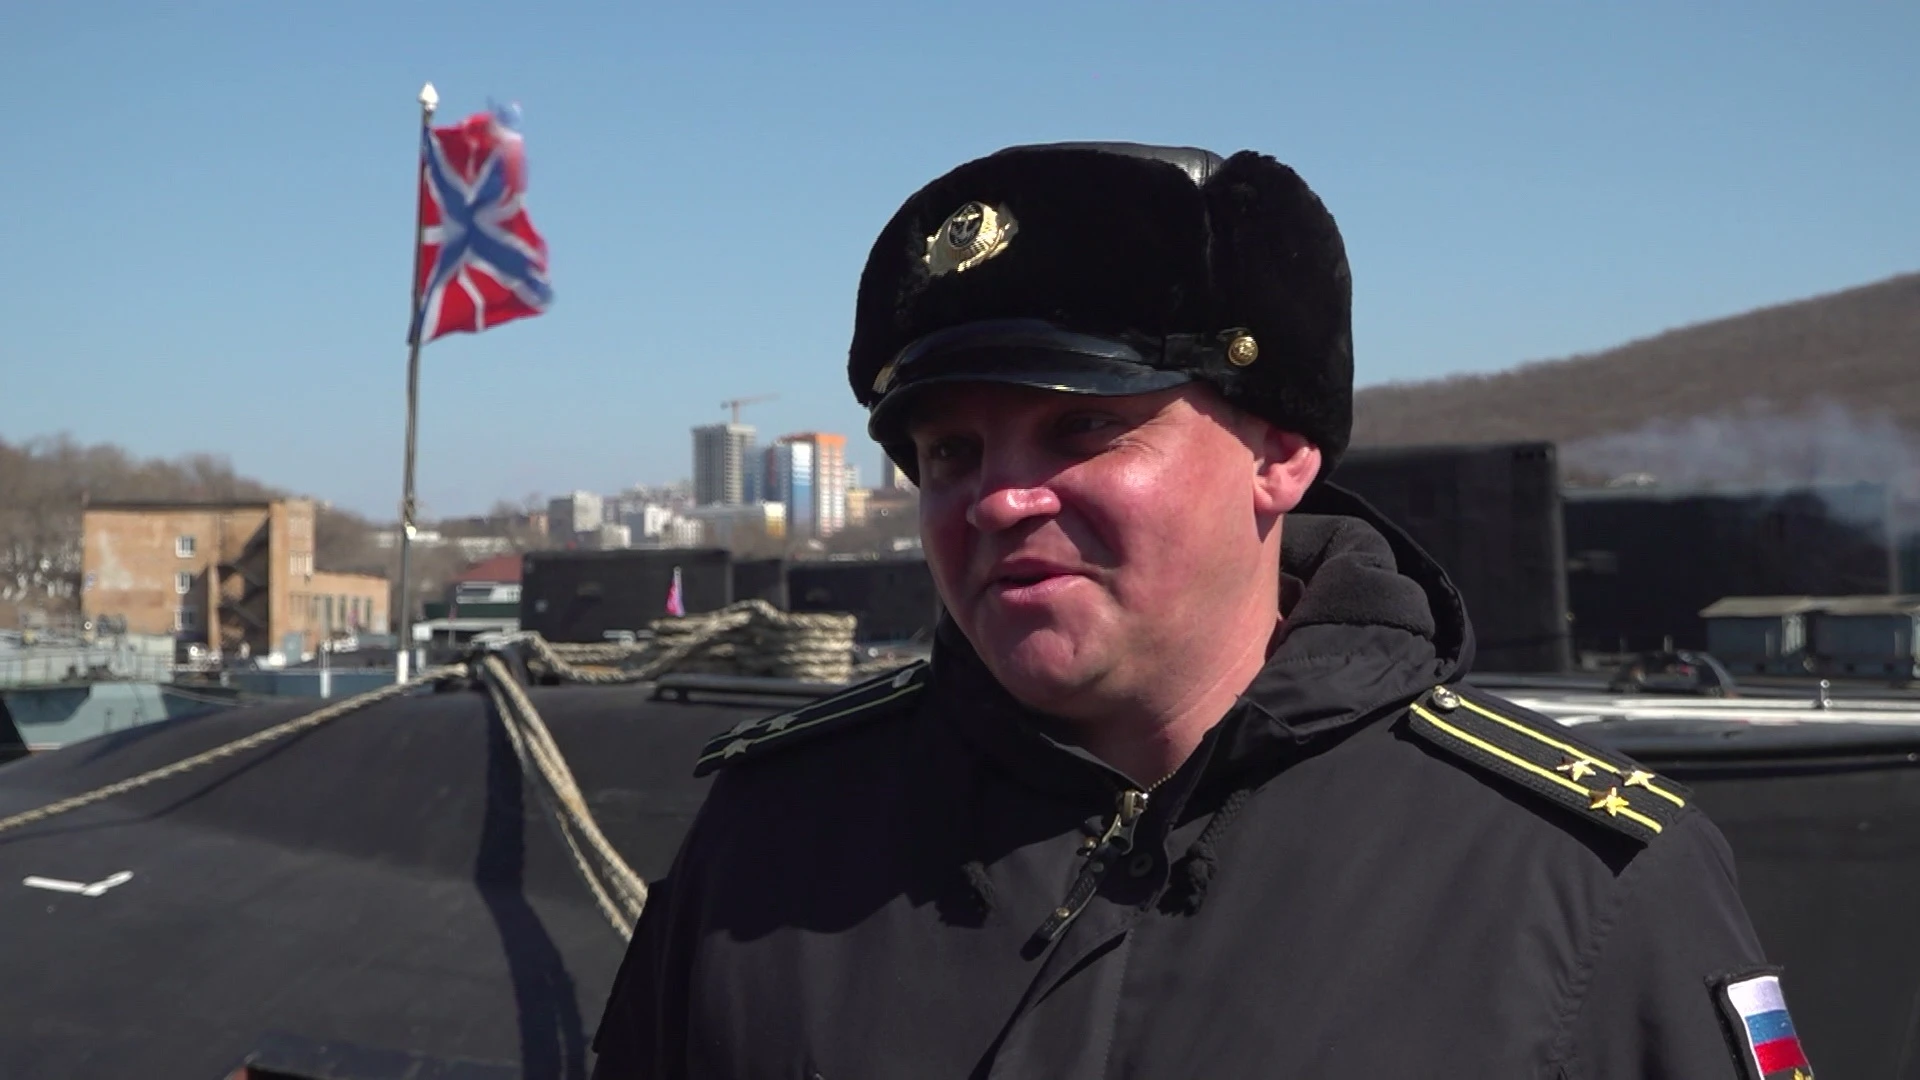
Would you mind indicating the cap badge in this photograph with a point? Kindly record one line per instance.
(970, 236)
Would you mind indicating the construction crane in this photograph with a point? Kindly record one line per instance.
(735, 403)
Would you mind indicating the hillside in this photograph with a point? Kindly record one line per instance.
(1815, 389)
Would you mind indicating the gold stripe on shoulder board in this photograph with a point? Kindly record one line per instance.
(749, 734)
(1577, 759)
(1608, 801)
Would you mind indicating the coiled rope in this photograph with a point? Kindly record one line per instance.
(751, 637)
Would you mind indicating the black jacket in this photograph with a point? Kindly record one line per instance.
(1356, 875)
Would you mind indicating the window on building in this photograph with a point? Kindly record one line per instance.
(183, 546)
(182, 582)
(186, 618)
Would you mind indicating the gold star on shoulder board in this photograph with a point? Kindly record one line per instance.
(1576, 768)
(1609, 800)
(735, 748)
(1640, 778)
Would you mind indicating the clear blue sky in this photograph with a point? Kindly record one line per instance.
(208, 211)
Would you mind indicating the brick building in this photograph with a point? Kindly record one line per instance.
(238, 577)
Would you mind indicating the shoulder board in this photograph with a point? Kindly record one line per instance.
(850, 707)
(1541, 754)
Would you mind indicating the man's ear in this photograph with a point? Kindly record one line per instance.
(1284, 467)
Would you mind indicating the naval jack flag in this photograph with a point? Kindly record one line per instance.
(477, 262)
(481, 262)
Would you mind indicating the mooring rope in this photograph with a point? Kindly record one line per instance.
(229, 749)
(751, 637)
(541, 758)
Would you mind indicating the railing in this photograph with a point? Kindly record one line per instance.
(55, 664)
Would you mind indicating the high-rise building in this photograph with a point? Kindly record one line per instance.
(753, 475)
(789, 481)
(821, 510)
(893, 477)
(570, 515)
(720, 455)
(830, 494)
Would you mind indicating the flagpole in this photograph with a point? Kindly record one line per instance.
(403, 651)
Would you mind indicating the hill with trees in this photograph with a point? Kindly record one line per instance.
(1824, 388)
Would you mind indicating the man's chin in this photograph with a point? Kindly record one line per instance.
(1041, 675)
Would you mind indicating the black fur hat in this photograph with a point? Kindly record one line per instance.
(1111, 268)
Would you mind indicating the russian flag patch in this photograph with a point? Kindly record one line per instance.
(1756, 1011)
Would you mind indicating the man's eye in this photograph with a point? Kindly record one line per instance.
(950, 449)
(1085, 423)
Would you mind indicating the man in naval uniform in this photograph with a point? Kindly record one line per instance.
(1191, 786)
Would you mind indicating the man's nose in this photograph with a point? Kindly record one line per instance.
(1011, 491)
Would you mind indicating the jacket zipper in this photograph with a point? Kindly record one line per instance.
(1101, 854)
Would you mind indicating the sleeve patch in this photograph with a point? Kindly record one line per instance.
(1765, 1043)
(847, 708)
(1540, 754)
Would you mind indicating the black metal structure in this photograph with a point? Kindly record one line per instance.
(1824, 822)
(583, 595)
(12, 743)
(1643, 563)
(1490, 515)
(761, 579)
(385, 882)
(894, 599)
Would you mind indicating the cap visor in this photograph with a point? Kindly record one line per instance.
(1015, 353)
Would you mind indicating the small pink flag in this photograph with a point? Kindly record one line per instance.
(676, 604)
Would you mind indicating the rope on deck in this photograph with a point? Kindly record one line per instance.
(226, 750)
(748, 638)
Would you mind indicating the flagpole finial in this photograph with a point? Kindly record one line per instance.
(429, 97)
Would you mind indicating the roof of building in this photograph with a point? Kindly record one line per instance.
(1760, 607)
(1871, 605)
(503, 569)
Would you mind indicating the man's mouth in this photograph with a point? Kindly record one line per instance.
(1029, 579)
